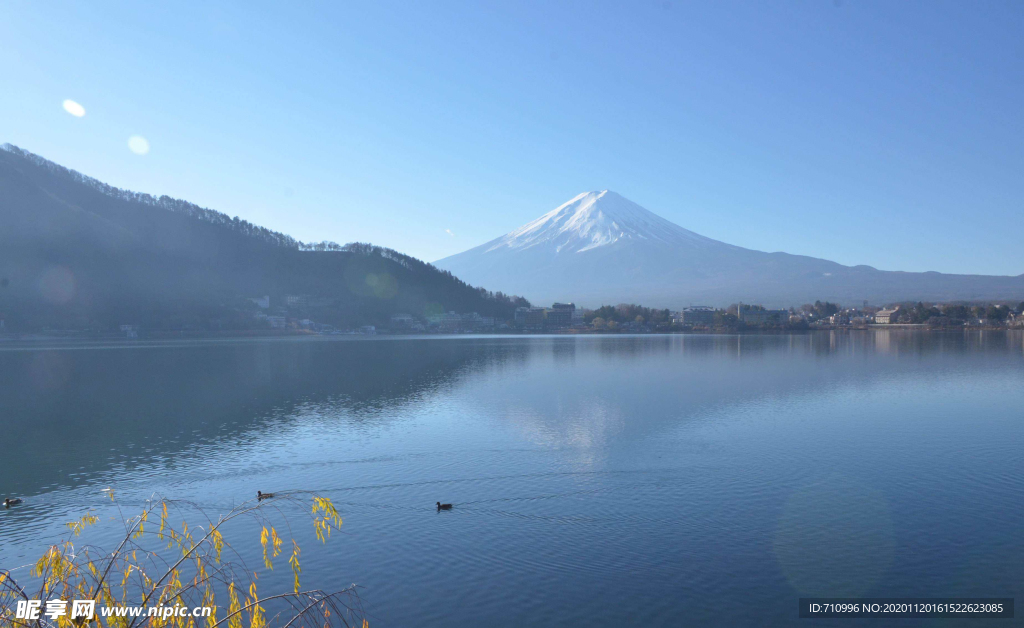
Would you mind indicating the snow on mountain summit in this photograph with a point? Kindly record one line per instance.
(591, 220)
(600, 248)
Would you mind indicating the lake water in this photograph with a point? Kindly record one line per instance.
(597, 481)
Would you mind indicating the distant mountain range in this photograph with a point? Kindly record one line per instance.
(600, 248)
(76, 253)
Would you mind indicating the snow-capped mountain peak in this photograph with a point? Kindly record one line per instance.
(600, 248)
(591, 220)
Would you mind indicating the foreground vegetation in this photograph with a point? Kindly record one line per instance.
(157, 564)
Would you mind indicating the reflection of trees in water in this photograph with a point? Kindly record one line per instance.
(84, 410)
(820, 343)
(78, 411)
(617, 389)
(910, 342)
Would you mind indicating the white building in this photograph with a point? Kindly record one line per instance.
(887, 317)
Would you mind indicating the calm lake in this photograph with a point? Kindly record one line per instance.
(597, 481)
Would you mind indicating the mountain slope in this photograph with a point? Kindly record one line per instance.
(602, 248)
(76, 253)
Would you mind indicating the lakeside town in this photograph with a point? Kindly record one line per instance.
(293, 313)
(301, 315)
(568, 318)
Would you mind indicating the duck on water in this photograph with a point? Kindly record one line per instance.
(441, 506)
(260, 495)
(9, 501)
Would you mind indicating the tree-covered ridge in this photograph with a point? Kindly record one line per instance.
(212, 216)
(500, 304)
(163, 202)
(78, 254)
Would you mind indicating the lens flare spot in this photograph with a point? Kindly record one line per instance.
(74, 108)
(57, 285)
(138, 145)
(382, 285)
(49, 370)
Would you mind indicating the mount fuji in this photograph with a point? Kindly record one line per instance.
(600, 248)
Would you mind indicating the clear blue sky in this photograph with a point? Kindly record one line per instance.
(882, 133)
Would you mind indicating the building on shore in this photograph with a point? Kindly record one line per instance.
(887, 317)
(296, 300)
(402, 320)
(474, 322)
(560, 315)
(446, 323)
(697, 315)
(530, 317)
(839, 318)
(757, 315)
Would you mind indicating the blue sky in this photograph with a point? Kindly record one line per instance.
(882, 133)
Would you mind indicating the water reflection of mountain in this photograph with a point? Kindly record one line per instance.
(615, 390)
(70, 413)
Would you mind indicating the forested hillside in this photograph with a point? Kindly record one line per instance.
(76, 253)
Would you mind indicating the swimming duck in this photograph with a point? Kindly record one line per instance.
(260, 495)
(8, 502)
(441, 506)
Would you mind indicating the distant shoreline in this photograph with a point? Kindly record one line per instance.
(283, 335)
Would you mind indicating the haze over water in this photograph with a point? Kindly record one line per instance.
(601, 481)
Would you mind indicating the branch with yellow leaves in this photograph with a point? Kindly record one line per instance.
(178, 566)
